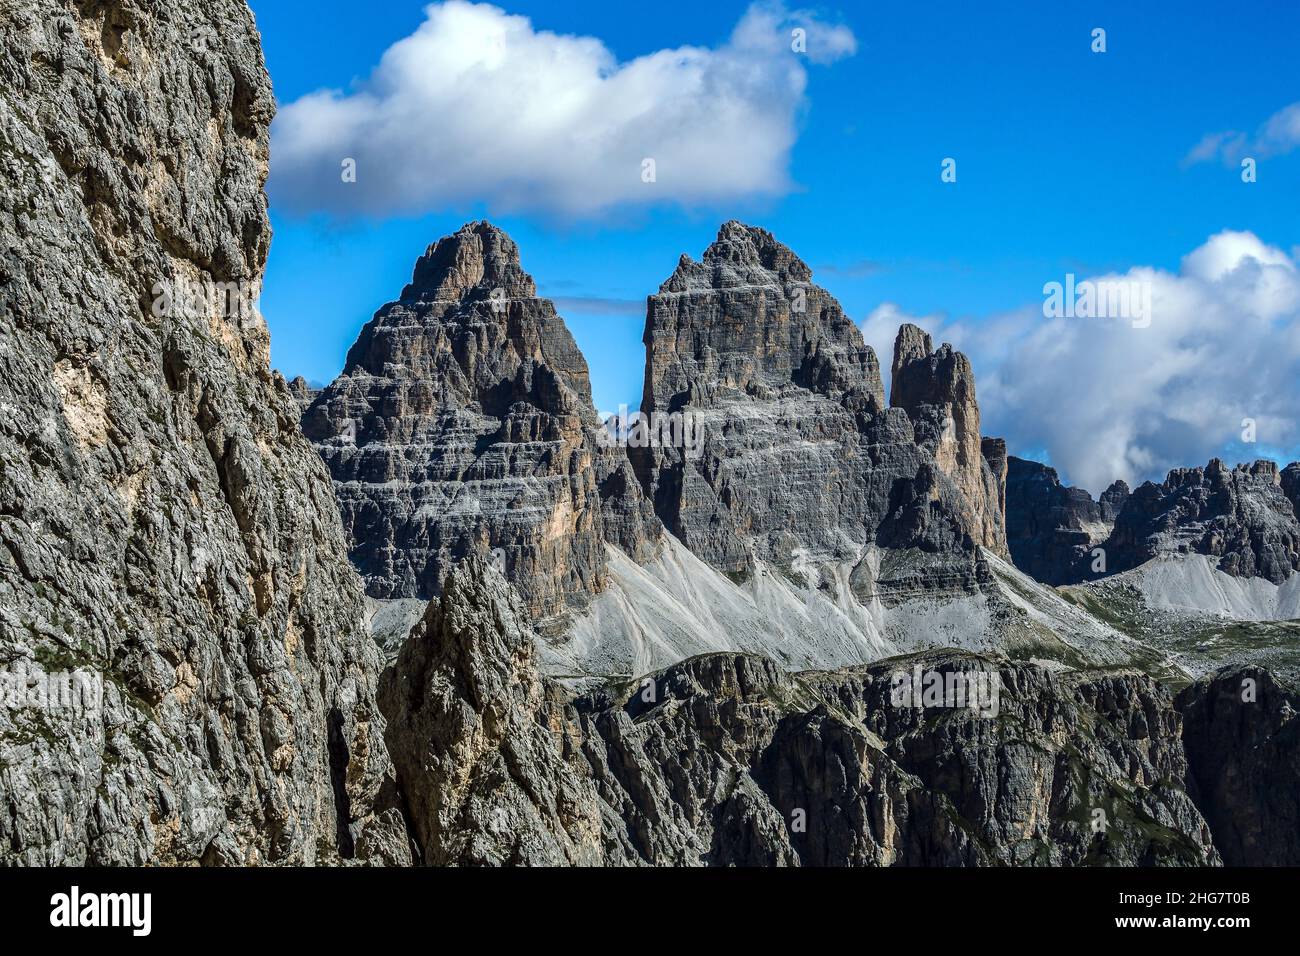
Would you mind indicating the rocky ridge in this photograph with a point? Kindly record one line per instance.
(1243, 516)
(726, 759)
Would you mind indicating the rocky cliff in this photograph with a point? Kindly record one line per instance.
(799, 459)
(937, 390)
(727, 759)
(1242, 738)
(1244, 517)
(1051, 527)
(463, 423)
(169, 543)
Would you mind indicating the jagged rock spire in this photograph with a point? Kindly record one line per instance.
(937, 390)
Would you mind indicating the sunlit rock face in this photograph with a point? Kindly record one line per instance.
(463, 423)
(165, 531)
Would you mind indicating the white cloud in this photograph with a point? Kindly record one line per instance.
(1279, 134)
(1108, 400)
(479, 107)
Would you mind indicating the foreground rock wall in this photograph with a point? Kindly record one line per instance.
(1241, 730)
(164, 528)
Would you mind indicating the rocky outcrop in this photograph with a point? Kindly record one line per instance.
(1241, 516)
(302, 393)
(479, 741)
(169, 544)
(1051, 527)
(726, 759)
(1242, 737)
(937, 390)
(463, 423)
(799, 462)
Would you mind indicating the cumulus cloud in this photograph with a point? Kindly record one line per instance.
(1110, 400)
(480, 107)
(1279, 134)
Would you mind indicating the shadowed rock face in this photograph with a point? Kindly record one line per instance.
(463, 423)
(1242, 737)
(799, 453)
(164, 526)
(725, 759)
(1051, 527)
(485, 780)
(1243, 516)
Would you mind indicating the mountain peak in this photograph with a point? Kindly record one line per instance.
(480, 256)
(741, 255)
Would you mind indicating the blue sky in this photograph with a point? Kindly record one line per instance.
(1068, 161)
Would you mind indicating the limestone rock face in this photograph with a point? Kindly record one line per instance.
(169, 540)
(1243, 516)
(725, 759)
(797, 458)
(1051, 527)
(1242, 737)
(463, 423)
(937, 390)
(302, 393)
(478, 742)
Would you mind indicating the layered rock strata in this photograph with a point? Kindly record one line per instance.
(798, 460)
(463, 423)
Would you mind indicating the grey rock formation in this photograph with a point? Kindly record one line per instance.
(1051, 527)
(937, 390)
(799, 459)
(463, 423)
(1289, 479)
(725, 759)
(302, 393)
(1244, 517)
(478, 739)
(1242, 737)
(165, 532)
